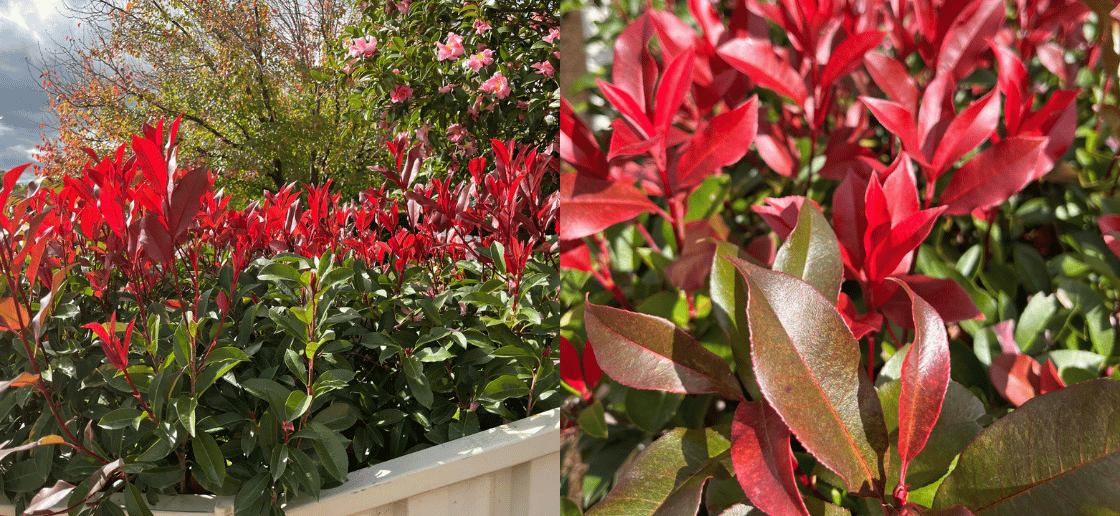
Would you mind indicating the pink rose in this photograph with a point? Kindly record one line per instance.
(400, 93)
(484, 58)
(453, 48)
(481, 27)
(456, 133)
(363, 46)
(422, 134)
(402, 6)
(553, 35)
(497, 85)
(449, 87)
(545, 68)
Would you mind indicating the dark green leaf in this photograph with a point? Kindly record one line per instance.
(134, 502)
(209, 457)
(506, 386)
(592, 420)
(418, 384)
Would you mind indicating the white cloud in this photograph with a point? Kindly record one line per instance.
(4, 128)
(31, 152)
(32, 17)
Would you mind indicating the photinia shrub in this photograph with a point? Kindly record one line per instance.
(156, 342)
(837, 258)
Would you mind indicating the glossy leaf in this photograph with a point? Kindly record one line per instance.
(898, 121)
(647, 352)
(418, 384)
(812, 253)
(992, 176)
(724, 141)
(956, 427)
(848, 56)
(13, 316)
(891, 77)
(808, 366)
(1056, 454)
(925, 377)
(729, 304)
(760, 451)
(756, 58)
(209, 458)
(588, 206)
(579, 147)
(668, 478)
(23, 380)
(968, 37)
(675, 83)
(967, 131)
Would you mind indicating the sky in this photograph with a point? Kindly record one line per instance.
(25, 26)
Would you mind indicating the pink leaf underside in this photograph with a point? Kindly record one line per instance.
(1015, 377)
(994, 175)
(763, 460)
(724, 141)
(849, 219)
(647, 352)
(772, 146)
(925, 378)
(756, 58)
(588, 205)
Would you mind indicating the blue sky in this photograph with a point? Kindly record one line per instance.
(25, 27)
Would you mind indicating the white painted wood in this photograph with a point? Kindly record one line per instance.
(506, 471)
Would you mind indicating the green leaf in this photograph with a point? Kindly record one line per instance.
(808, 366)
(209, 457)
(386, 417)
(668, 478)
(506, 386)
(592, 420)
(1036, 316)
(251, 492)
(134, 502)
(296, 404)
(338, 416)
(812, 253)
(121, 418)
(729, 304)
(650, 410)
(331, 448)
(277, 271)
(418, 384)
(647, 352)
(1056, 454)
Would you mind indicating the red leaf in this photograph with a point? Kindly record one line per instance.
(186, 200)
(13, 316)
(993, 176)
(627, 107)
(850, 222)
(774, 148)
(897, 120)
(763, 460)
(1048, 379)
(781, 213)
(968, 37)
(150, 159)
(1110, 227)
(156, 240)
(647, 352)
(633, 68)
(757, 59)
(691, 270)
(625, 143)
(945, 295)
(893, 78)
(925, 378)
(848, 56)
(967, 131)
(1012, 77)
(109, 203)
(1015, 377)
(578, 146)
(724, 141)
(11, 177)
(570, 370)
(675, 83)
(588, 205)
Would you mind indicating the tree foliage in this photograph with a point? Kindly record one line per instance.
(239, 71)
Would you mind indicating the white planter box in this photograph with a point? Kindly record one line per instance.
(512, 470)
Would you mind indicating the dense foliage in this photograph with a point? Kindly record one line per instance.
(155, 341)
(456, 74)
(936, 330)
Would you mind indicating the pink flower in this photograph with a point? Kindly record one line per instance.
(553, 35)
(545, 68)
(522, 105)
(473, 111)
(484, 58)
(422, 134)
(496, 84)
(363, 46)
(453, 48)
(449, 87)
(402, 6)
(481, 27)
(456, 133)
(400, 93)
